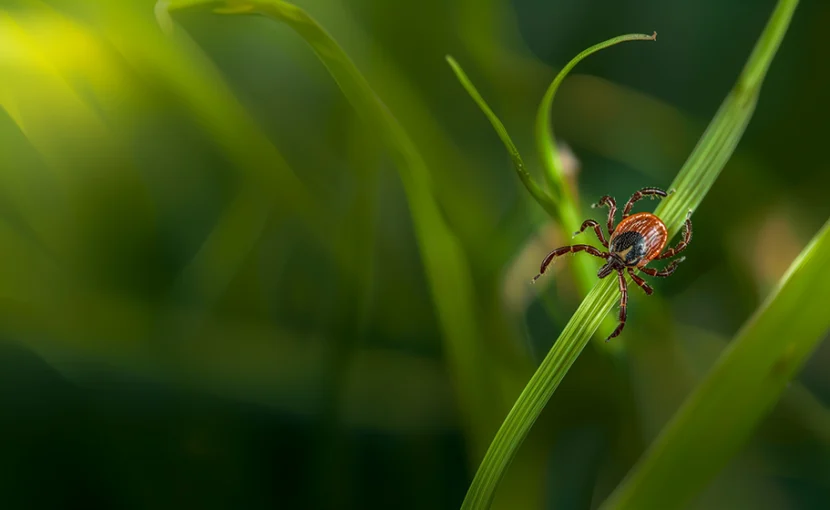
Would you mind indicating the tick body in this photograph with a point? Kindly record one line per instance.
(637, 240)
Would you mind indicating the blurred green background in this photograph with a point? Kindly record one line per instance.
(212, 295)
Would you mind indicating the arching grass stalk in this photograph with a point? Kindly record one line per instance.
(692, 183)
(445, 263)
(542, 197)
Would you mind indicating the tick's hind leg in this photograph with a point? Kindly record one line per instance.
(687, 236)
(623, 307)
(612, 210)
(595, 225)
(645, 192)
(567, 249)
(666, 271)
(639, 281)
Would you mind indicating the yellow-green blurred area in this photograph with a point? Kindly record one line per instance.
(212, 293)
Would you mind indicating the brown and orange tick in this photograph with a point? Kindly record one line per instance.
(637, 240)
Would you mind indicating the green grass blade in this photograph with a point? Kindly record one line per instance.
(538, 391)
(269, 187)
(694, 180)
(798, 407)
(536, 191)
(743, 386)
(445, 264)
(722, 136)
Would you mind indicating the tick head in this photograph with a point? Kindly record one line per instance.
(614, 264)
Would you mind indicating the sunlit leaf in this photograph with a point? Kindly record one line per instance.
(445, 263)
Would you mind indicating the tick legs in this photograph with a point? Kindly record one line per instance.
(623, 306)
(645, 192)
(666, 271)
(567, 249)
(612, 210)
(639, 281)
(595, 225)
(687, 236)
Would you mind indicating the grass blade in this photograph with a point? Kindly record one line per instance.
(445, 264)
(743, 386)
(540, 195)
(538, 391)
(692, 183)
(723, 133)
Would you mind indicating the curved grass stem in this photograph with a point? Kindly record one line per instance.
(545, 140)
(445, 264)
(542, 197)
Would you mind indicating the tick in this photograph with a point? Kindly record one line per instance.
(637, 240)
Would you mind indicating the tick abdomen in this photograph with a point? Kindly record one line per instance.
(639, 238)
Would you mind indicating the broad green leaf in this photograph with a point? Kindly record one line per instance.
(692, 183)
